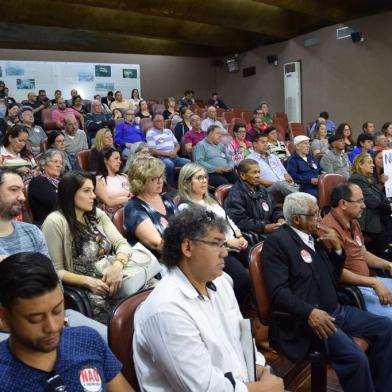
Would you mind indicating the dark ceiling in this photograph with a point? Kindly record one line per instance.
(206, 28)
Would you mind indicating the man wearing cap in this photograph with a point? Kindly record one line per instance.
(303, 167)
(336, 160)
(364, 145)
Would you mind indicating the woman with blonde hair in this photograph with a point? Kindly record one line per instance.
(146, 215)
(375, 220)
(103, 139)
(193, 189)
(319, 143)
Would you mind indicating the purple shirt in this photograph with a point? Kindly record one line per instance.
(194, 137)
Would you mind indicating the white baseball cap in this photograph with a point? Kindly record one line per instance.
(299, 139)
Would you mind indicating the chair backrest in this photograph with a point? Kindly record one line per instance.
(228, 116)
(120, 331)
(280, 131)
(118, 221)
(297, 129)
(326, 183)
(47, 120)
(281, 118)
(221, 192)
(246, 116)
(83, 158)
(258, 283)
(237, 120)
(290, 146)
(146, 124)
(43, 145)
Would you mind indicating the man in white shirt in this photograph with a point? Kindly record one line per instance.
(211, 119)
(273, 174)
(187, 332)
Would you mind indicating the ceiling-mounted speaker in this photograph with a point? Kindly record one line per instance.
(357, 36)
(272, 60)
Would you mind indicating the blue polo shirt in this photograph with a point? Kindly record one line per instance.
(128, 133)
(84, 363)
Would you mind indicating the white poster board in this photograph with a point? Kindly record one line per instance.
(387, 159)
(87, 78)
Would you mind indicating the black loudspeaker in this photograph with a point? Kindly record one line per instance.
(272, 60)
(357, 36)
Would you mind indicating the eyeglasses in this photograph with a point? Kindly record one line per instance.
(158, 178)
(215, 244)
(360, 201)
(316, 215)
(201, 178)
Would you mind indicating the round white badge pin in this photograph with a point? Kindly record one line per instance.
(265, 206)
(306, 257)
(90, 380)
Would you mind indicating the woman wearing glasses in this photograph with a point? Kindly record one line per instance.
(42, 189)
(146, 215)
(78, 235)
(193, 189)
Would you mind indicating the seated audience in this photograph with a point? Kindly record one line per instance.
(112, 188)
(387, 130)
(146, 215)
(164, 145)
(257, 126)
(183, 126)
(194, 307)
(194, 135)
(103, 139)
(119, 102)
(77, 104)
(217, 102)
(137, 150)
(171, 108)
(364, 146)
(345, 130)
(11, 115)
(376, 222)
(42, 189)
(128, 132)
(58, 114)
(36, 133)
(187, 99)
(368, 127)
(276, 146)
(303, 167)
(301, 278)
(41, 353)
(78, 235)
(211, 119)
(249, 204)
(239, 148)
(380, 142)
(97, 119)
(193, 190)
(14, 152)
(273, 174)
(56, 140)
(347, 206)
(324, 119)
(135, 99)
(266, 116)
(319, 144)
(379, 177)
(215, 158)
(336, 160)
(75, 139)
(143, 111)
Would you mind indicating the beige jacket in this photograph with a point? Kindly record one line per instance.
(59, 239)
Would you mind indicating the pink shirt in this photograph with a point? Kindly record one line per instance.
(58, 115)
(193, 137)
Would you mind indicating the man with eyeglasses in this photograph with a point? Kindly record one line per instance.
(40, 354)
(187, 332)
(301, 278)
(347, 206)
(128, 132)
(194, 135)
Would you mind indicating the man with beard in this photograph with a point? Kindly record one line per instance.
(40, 353)
(17, 236)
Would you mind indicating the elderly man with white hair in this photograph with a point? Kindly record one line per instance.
(75, 139)
(211, 119)
(97, 119)
(301, 276)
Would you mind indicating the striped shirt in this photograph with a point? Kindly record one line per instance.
(163, 140)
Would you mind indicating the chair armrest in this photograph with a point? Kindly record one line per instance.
(76, 298)
(351, 295)
(253, 238)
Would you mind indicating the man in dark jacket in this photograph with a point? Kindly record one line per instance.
(301, 278)
(249, 204)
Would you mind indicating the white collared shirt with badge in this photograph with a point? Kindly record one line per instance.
(184, 341)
